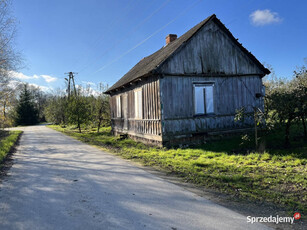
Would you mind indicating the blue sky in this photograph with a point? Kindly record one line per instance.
(103, 39)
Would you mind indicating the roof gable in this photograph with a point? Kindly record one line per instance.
(151, 63)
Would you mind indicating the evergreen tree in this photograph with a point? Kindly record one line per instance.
(26, 111)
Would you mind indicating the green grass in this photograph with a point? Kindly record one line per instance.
(278, 175)
(7, 142)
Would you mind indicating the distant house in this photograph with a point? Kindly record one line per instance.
(189, 89)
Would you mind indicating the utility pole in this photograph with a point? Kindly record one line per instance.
(70, 80)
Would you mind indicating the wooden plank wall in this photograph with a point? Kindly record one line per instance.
(113, 106)
(210, 51)
(151, 120)
(151, 100)
(209, 56)
(230, 93)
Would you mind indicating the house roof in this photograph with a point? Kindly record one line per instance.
(150, 63)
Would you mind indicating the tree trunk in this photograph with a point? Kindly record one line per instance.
(4, 109)
(99, 124)
(287, 136)
(79, 126)
(99, 119)
(256, 131)
(63, 120)
(304, 125)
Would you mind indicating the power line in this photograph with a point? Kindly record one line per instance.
(127, 36)
(111, 24)
(150, 36)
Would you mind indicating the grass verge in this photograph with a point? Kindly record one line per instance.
(277, 175)
(7, 142)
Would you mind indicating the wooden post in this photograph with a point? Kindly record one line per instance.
(255, 124)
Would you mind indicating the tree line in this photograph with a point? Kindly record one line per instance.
(29, 105)
(84, 107)
(286, 102)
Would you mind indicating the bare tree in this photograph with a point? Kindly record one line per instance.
(10, 59)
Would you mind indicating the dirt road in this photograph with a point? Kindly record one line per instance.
(57, 182)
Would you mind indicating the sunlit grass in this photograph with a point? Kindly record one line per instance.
(277, 175)
(7, 143)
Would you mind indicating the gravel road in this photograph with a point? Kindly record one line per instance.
(57, 182)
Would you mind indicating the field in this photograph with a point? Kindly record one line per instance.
(230, 166)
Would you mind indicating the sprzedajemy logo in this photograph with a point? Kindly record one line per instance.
(273, 219)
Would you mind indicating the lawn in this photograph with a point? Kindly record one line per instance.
(8, 140)
(229, 166)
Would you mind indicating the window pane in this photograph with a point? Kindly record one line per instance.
(199, 100)
(118, 107)
(135, 104)
(140, 104)
(209, 99)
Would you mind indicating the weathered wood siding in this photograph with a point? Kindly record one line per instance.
(210, 56)
(150, 123)
(210, 51)
(230, 93)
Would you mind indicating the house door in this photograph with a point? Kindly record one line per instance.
(125, 111)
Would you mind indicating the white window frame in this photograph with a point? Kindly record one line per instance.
(118, 107)
(207, 100)
(138, 106)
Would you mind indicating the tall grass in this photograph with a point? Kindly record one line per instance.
(278, 175)
(7, 143)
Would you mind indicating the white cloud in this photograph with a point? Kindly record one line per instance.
(94, 92)
(15, 84)
(48, 78)
(88, 83)
(88, 90)
(43, 88)
(264, 17)
(21, 76)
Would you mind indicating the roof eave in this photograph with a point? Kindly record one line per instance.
(256, 61)
(151, 73)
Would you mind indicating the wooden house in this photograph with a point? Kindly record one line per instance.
(189, 89)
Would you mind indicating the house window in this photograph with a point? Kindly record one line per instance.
(203, 99)
(138, 103)
(118, 107)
